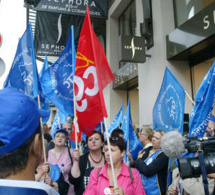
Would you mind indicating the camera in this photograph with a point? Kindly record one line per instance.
(190, 167)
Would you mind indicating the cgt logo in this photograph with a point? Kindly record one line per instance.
(89, 75)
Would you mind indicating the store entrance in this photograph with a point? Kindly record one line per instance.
(133, 95)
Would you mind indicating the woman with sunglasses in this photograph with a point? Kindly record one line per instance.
(153, 164)
(82, 167)
(128, 179)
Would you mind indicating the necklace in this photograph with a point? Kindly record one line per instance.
(96, 161)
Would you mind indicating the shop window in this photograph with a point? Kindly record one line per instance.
(186, 9)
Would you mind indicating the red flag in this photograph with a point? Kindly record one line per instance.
(72, 136)
(92, 74)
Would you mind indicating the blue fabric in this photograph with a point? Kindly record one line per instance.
(116, 121)
(44, 100)
(150, 184)
(19, 119)
(127, 126)
(59, 117)
(23, 74)
(57, 80)
(54, 172)
(21, 190)
(204, 173)
(168, 111)
(203, 107)
(100, 127)
(45, 67)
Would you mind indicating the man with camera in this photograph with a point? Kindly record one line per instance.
(189, 186)
(190, 163)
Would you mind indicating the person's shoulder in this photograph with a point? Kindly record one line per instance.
(26, 187)
(147, 149)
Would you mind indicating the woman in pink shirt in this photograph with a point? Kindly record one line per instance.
(60, 155)
(128, 179)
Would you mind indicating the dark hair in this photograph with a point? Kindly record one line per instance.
(117, 141)
(15, 161)
(98, 132)
(117, 132)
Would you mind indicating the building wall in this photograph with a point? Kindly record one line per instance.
(150, 73)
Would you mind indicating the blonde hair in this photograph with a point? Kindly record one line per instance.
(148, 130)
(45, 129)
(162, 132)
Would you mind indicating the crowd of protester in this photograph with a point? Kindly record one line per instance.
(60, 169)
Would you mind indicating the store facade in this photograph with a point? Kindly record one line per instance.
(178, 34)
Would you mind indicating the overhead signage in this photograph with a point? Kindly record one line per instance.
(51, 41)
(132, 49)
(200, 29)
(125, 74)
(98, 8)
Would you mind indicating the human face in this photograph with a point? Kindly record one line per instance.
(94, 142)
(68, 127)
(143, 137)
(117, 155)
(60, 139)
(210, 128)
(156, 140)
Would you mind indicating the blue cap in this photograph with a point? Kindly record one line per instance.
(61, 130)
(212, 118)
(19, 119)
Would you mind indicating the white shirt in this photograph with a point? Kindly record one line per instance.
(8, 185)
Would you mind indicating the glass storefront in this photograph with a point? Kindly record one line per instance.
(127, 21)
(186, 9)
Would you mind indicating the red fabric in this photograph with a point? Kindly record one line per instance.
(72, 136)
(92, 74)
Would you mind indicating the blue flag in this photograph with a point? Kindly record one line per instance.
(203, 107)
(116, 121)
(100, 127)
(127, 126)
(23, 74)
(44, 100)
(54, 172)
(57, 81)
(59, 119)
(168, 111)
(45, 67)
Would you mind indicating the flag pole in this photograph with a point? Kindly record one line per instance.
(111, 160)
(102, 128)
(127, 148)
(41, 124)
(189, 98)
(58, 118)
(75, 119)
